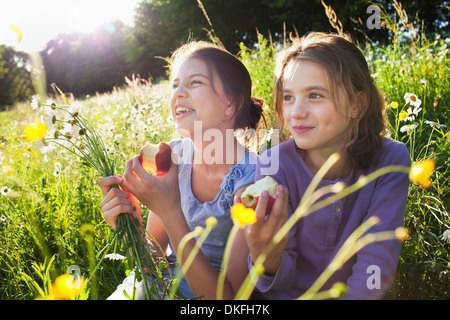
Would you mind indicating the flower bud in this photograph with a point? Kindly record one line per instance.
(211, 222)
(401, 234)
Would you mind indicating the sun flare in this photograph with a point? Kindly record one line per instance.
(41, 21)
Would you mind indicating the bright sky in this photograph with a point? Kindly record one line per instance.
(41, 20)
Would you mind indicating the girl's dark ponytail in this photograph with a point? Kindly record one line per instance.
(249, 116)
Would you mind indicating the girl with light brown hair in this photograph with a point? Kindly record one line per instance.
(327, 99)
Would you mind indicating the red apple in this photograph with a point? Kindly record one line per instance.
(156, 157)
(251, 194)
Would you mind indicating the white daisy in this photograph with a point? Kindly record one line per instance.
(50, 103)
(52, 133)
(435, 124)
(50, 118)
(74, 108)
(154, 133)
(5, 190)
(74, 131)
(411, 114)
(417, 110)
(35, 102)
(269, 135)
(56, 172)
(408, 128)
(118, 137)
(143, 108)
(114, 256)
(412, 99)
(446, 236)
(41, 146)
(57, 169)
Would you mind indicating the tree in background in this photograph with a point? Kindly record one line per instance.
(15, 77)
(162, 25)
(88, 63)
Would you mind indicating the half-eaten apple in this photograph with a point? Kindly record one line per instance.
(252, 193)
(156, 157)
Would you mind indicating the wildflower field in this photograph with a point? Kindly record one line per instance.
(51, 223)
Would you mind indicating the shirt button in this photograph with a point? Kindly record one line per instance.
(337, 209)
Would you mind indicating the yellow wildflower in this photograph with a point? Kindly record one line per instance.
(242, 215)
(403, 115)
(394, 105)
(66, 287)
(35, 131)
(421, 171)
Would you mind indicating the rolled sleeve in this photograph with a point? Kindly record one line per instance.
(282, 278)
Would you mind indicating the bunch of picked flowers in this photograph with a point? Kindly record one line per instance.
(75, 134)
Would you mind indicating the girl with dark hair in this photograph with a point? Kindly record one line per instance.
(327, 99)
(211, 98)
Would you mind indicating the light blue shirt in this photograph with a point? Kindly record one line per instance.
(196, 212)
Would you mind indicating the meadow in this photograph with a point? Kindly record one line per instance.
(51, 223)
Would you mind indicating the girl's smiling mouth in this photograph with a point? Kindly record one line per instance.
(182, 110)
(301, 129)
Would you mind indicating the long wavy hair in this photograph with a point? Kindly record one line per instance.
(346, 68)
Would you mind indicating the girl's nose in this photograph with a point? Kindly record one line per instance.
(179, 91)
(178, 94)
(299, 109)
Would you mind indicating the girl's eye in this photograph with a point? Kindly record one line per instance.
(196, 82)
(314, 96)
(192, 83)
(288, 98)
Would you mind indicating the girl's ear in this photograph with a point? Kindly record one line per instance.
(230, 110)
(355, 111)
(358, 106)
(234, 106)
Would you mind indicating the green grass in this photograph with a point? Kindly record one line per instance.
(421, 67)
(51, 199)
(49, 206)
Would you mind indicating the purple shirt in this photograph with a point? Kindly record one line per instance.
(315, 240)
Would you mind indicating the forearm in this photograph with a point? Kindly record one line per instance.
(156, 236)
(374, 270)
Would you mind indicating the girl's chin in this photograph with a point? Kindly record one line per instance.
(303, 143)
(185, 132)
